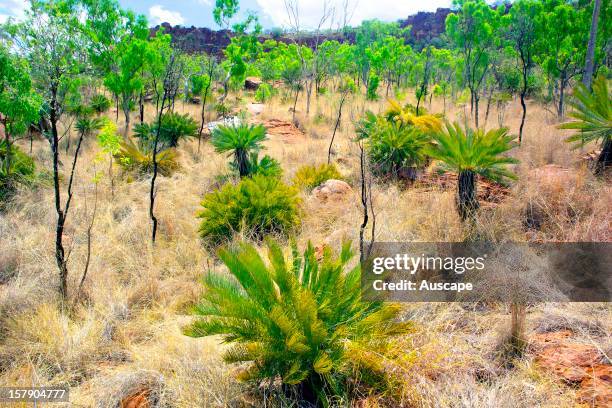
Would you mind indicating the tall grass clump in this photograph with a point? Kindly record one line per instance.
(300, 321)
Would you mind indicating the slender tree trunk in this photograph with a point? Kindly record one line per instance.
(141, 104)
(523, 106)
(203, 114)
(467, 202)
(297, 93)
(561, 109)
(331, 143)
(587, 78)
(60, 255)
(364, 202)
(488, 110)
(9, 153)
(308, 94)
(476, 100)
(518, 313)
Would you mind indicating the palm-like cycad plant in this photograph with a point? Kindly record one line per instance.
(593, 114)
(300, 320)
(470, 153)
(86, 125)
(242, 140)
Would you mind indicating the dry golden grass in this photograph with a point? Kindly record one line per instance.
(124, 333)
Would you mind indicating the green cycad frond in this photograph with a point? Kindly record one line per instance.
(295, 319)
(139, 159)
(86, 126)
(593, 113)
(246, 137)
(474, 150)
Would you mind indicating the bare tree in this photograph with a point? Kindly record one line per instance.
(309, 69)
(170, 88)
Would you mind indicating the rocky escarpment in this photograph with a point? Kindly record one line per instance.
(425, 27)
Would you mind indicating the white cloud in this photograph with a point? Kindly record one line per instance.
(310, 11)
(158, 14)
(13, 8)
(205, 2)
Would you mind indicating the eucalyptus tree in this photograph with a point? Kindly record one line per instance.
(472, 28)
(562, 38)
(521, 28)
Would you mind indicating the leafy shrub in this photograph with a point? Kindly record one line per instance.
(100, 103)
(22, 169)
(222, 110)
(138, 158)
(257, 206)
(263, 93)
(398, 138)
(372, 94)
(242, 141)
(300, 320)
(309, 177)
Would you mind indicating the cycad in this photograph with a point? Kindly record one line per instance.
(173, 128)
(393, 147)
(242, 140)
(86, 125)
(470, 153)
(100, 103)
(593, 114)
(301, 320)
(139, 158)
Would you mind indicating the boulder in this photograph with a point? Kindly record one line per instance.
(252, 83)
(332, 190)
(255, 108)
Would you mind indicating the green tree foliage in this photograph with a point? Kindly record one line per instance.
(301, 320)
(592, 112)
(472, 28)
(256, 206)
(263, 93)
(19, 106)
(309, 177)
(470, 153)
(563, 41)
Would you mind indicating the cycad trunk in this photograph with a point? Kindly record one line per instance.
(467, 203)
(605, 157)
(240, 156)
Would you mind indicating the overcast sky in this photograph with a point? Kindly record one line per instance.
(271, 13)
